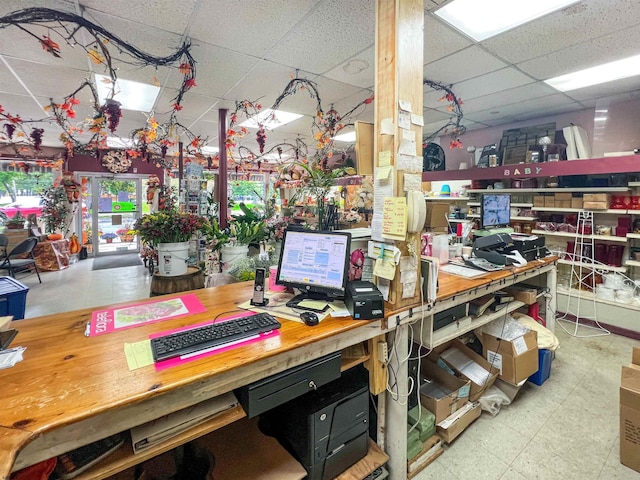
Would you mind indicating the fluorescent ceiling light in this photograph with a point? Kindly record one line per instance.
(131, 95)
(481, 20)
(271, 119)
(208, 150)
(117, 142)
(346, 137)
(608, 72)
(275, 156)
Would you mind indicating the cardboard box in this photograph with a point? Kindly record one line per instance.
(450, 428)
(576, 202)
(439, 403)
(526, 295)
(430, 452)
(538, 201)
(437, 214)
(630, 413)
(477, 389)
(516, 359)
(595, 205)
(596, 197)
(563, 203)
(563, 196)
(549, 201)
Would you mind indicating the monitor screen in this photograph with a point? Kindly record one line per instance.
(495, 210)
(315, 262)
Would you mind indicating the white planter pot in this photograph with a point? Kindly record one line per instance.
(231, 253)
(173, 259)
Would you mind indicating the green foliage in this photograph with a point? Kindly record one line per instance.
(245, 268)
(55, 210)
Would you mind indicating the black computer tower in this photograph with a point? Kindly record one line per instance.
(327, 430)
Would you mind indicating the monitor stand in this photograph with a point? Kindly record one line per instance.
(301, 297)
(492, 231)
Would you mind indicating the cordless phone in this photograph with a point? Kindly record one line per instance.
(258, 288)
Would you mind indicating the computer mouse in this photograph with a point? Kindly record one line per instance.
(309, 318)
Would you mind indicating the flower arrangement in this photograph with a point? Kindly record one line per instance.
(276, 227)
(108, 236)
(352, 216)
(168, 226)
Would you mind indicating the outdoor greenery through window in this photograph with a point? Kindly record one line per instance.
(21, 191)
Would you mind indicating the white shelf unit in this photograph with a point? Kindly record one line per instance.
(594, 267)
(576, 210)
(441, 199)
(552, 190)
(606, 238)
(632, 263)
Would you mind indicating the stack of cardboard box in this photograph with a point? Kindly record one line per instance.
(630, 413)
(595, 201)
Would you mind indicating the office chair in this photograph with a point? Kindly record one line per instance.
(20, 258)
(4, 243)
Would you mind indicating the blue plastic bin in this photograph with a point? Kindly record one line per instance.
(544, 367)
(13, 297)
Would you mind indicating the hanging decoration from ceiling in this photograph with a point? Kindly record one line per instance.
(102, 48)
(453, 128)
(116, 161)
(324, 127)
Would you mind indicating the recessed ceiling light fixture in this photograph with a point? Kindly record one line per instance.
(346, 137)
(481, 20)
(608, 72)
(131, 95)
(271, 119)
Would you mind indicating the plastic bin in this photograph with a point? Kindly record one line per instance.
(13, 297)
(544, 367)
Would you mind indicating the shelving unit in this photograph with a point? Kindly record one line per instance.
(595, 267)
(606, 238)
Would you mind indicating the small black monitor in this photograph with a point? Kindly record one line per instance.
(316, 263)
(495, 210)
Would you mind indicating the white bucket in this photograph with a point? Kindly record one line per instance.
(173, 259)
(230, 253)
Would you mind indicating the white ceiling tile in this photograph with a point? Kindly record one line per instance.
(617, 87)
(332, 33)
(572, 26)
(167, 15)
(611, 47)
(431, 5)
(362, 63)
(463, 65)
(440, 40)
(504, 79)
(251, 27)
(506, 97)
(537, 107)
(194, 104)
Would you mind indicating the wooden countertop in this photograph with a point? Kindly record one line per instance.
(66, 377)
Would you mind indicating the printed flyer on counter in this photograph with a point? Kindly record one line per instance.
(120, 318)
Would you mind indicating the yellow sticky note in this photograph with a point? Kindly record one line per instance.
(384, 268)
(138, 354)
(384, 158)
(394, 218)
(383, 172)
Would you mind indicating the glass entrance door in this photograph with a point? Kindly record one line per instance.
(110, 207)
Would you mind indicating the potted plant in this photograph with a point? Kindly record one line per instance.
(16, 222)
(108, 237)
(55, 210)
(126, 234)
(169, 232)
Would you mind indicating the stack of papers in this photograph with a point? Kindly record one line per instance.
(156, 431)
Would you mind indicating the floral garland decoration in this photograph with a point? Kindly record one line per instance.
(66, 26)
(453, 127)
(116, 161)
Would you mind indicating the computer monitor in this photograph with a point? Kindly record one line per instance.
(315, 262)
(495, 210)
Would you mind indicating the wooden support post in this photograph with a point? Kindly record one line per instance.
(399, 87)
(376, 366)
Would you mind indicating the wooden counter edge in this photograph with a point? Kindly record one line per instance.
(9, 439)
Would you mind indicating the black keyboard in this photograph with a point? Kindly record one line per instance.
(213, 335)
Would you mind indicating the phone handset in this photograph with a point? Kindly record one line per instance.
(416, 211)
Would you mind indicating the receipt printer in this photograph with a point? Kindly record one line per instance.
(364, 301)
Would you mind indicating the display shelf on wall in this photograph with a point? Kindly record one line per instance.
(436, 199)
(585, 295)
(610, 268)
(593, 166)
(632, 263)
(551, 190)
(521, 205)
(606, 238)
(633, 235)
(576, 210)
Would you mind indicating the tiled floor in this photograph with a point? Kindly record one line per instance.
(565, 429)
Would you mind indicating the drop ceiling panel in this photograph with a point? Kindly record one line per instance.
(167, 15)
(572, 26)
(251, 27)
(606, 89)
(320, 42)
(463, 65)
(500, 80)
(332, 91)
(615, 46)
(441, 40)
(15, 43)
(358, 70)
(540, 106)
(193, 104)
(506, 97)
